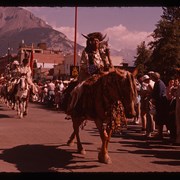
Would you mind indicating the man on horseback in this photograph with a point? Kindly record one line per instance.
(15, 69)
(95, 57)
(25, 84)
(25, 70)
(103, 95)
(14, 74)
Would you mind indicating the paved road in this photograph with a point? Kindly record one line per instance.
(37, 143)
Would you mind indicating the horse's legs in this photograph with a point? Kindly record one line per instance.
(25, 107)
(17, 106)
(13, 102)
(105, 137)
(21, 105)
(80, 148)
(76, 125)
(71, 139)
(109, 133)
(26, 104)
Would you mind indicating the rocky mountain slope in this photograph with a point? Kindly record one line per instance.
(17, 24)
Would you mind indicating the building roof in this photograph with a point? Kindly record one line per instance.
(44, 55)
(116, 60)
(48, 58)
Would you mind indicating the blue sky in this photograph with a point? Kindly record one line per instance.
(126, 27)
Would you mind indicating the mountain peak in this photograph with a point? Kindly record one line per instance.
(17, 24)
(15, 18)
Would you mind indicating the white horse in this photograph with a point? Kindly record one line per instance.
(22, 97)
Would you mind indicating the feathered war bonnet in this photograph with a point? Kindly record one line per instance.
(95, 35)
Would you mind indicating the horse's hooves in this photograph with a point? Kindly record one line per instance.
(108, 161)
(83, 151)
(104, 158)
(70, 143)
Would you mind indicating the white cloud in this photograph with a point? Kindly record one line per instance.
(119, 36)
(70, 32)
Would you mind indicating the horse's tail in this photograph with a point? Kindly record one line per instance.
(66, 96)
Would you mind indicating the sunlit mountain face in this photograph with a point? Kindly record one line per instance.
(17, 24)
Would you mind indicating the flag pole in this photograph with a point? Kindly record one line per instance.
(31, 61)
(75, 70)
(75, 34)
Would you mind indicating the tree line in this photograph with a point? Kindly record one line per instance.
(162, 54)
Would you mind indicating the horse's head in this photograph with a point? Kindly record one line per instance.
(127, 92)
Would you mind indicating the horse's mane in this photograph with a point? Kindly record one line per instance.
(93, 79)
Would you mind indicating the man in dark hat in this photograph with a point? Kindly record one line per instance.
(159, 99)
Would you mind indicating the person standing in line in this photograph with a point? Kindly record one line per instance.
(169, 88)
(172, 106)
(138, 102)
(159, 98)
(147, 119)
(177, 141)
(51, 92)
(172, 115)
(151, 106)
(143, 100)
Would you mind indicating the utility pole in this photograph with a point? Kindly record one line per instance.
(74, 70)
(32, 61)
(8, 54)
(75, 34)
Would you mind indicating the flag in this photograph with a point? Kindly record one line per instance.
(31, 60)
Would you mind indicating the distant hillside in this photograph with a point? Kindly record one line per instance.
(17, 24)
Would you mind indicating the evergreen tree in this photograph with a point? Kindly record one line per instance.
(166, 45)
(142, 58)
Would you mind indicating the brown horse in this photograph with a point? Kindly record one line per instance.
(98, 94)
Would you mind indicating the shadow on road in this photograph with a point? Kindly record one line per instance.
(40, 158)
(44, 106)
(36, 158)
(160, 149)
(5, 116)
(168, 156)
